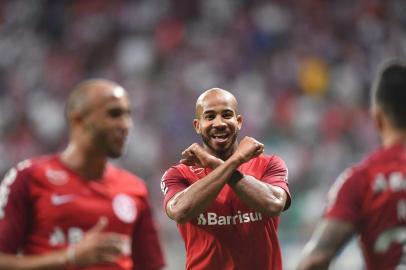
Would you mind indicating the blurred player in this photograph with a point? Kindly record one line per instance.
(226, 196)
(369, 199)
(74, 209)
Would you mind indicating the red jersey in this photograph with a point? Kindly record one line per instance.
(44, 206)
(372, 196)
(228, 235)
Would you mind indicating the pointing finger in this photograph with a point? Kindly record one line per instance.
(100, 225)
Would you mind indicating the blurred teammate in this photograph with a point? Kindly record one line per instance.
(226, 196)
(369, 199)
(74, 209)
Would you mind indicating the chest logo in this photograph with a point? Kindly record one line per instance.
(61, 199)
(196, 170)
(124, 208)
(57, 177)
(211, 218)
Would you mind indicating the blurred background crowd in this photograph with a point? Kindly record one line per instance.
(300, 69)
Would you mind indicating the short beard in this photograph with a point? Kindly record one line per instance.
(222, 154)
(109, 150)
(114, 154)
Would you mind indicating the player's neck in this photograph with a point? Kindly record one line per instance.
(392, 137)
(84, 162)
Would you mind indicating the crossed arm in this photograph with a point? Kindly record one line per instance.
(260, 196)
(327, 240)
(263, 197)
(193, 200)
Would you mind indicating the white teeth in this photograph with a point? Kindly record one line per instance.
(220, 136)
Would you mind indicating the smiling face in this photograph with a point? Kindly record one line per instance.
(217, 122)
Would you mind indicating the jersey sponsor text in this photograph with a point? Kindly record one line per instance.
(211, 218)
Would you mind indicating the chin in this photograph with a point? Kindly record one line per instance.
(221, 150)
(115, 153)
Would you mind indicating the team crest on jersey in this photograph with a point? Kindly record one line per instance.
(197, 170)
(124, 208)
(57, 177)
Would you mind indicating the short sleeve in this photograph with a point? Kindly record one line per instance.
(276, 174)
(146, 249)
(346, 196)
(15, 210)
(172, 182)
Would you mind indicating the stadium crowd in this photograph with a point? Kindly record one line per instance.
(300, 69)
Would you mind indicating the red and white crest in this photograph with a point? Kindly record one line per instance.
(124, 208)
(57, 177)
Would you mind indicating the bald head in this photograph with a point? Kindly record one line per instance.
(90, 92)
(217, 94)
(99, 117)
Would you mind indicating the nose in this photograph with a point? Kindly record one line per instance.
(218, 122)
(125, 122)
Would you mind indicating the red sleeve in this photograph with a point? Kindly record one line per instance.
(172, 182)
(276, 174)
(15, 209)
(146, 249)
(346, 195)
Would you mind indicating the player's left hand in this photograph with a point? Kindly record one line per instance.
(247, 149)
(195, 155)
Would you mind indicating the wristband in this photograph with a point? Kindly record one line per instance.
(235, 177)
(71, 255)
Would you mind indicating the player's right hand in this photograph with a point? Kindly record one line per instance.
(247, 149)
(196, 155)
(98, 247)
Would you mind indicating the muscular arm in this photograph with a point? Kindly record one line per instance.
(328, 238)
(263, 197)
(258, 195)
(193, 200)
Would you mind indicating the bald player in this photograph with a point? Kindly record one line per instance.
(226, 196)
(73, 209)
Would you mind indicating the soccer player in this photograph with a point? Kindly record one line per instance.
(369, 199)
(73, 209)
(226, 196)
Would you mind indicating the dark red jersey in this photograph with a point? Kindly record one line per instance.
(44, 206)
(228, 235)
(372, 196)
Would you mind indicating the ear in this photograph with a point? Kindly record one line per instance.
(378, 118)
(239, 120)
(196, 125)
(75, 117)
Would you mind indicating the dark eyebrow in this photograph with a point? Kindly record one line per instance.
(118, 110)
(210, 111)
(228, 110)
(223, 111)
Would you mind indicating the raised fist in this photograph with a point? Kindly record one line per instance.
(196, 155)
(247, 149)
